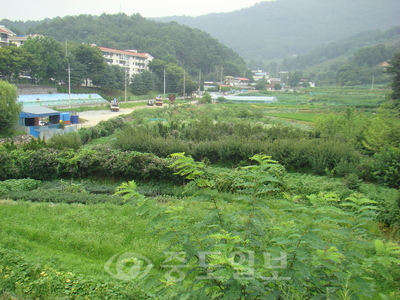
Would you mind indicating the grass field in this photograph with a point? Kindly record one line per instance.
(75, 238)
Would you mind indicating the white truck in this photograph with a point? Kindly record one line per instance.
(114, 105)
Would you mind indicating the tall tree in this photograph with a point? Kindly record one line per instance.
(91, 59)
(148, 79)
(394, 70)
(50, 57)
(9, 107)
(14, 61)
(190, 86)
(294, 78)
(137, 86)
(261, 83)
(113, 78)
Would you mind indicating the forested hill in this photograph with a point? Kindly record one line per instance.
(172, 42)
(281, 28)
(385, 43)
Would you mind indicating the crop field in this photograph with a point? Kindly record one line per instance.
(306, 117)
(331, 96)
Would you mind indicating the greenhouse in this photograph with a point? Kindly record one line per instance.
(59, 99)
(251, 99)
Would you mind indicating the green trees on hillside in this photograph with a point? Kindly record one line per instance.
(359, 63)
(191, 48)
(371, 56)
(364, 66)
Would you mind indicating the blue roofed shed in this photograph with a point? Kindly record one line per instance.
(30, 116)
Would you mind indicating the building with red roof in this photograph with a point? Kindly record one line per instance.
(5, 35)
(131, 60)
(236, 81)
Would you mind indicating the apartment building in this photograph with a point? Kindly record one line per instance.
(19, 40)
(5, 35)
(131, 60)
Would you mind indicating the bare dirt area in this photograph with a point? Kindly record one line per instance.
(93, 117)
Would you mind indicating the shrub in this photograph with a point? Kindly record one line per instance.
(31, 280)
(104, 128)
(42, 164)
(20, 184)
(62, 141)
(387, 166)
(85, 134)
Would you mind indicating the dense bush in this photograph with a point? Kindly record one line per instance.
(104, 128)
(389, 203)
(387, 166)
(18, 185)
(327, 245)
(62, 141)
(50, 164)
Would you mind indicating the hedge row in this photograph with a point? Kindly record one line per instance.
(317, 155)
(50, 164)
(41, 195)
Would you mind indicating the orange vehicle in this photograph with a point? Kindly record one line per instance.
(159, 101)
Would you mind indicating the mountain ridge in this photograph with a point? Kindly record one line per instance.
(278, 29)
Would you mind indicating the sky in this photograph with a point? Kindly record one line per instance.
(35, 10)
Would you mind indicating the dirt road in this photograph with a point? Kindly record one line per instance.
(93, 117)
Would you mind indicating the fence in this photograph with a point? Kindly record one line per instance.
(46, 132)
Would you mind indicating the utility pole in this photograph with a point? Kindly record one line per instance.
(69, 86)
(222, 70)
(164, 82)
(373, 79)
(184, 92)
(125, 83)
(199, 80)
(69, 75)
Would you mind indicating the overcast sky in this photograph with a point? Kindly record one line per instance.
(24, 10)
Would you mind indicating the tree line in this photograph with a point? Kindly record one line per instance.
(193, 49)
(45, 60)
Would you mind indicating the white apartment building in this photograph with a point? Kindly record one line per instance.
(19, 40)
(5, 35)
(131, 60)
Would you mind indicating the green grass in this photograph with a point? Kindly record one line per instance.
(76, 238)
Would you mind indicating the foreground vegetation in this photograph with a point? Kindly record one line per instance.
(186, 202)
(260, 240)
